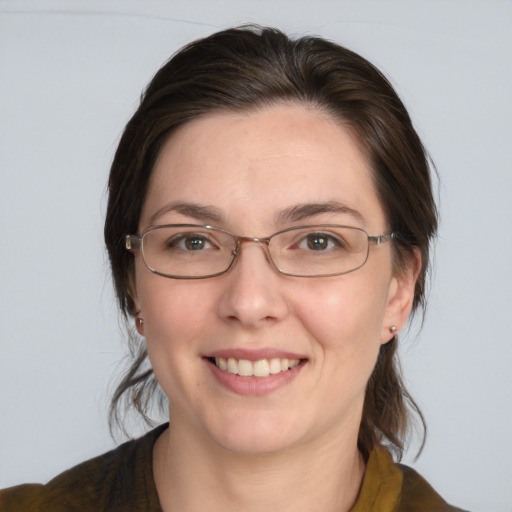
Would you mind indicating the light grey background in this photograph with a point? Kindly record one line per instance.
(71, 75)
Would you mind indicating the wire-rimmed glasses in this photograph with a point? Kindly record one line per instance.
(190, 251)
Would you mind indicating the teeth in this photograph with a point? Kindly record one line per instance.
(244, 368)
(261, 368)
(275, 366)
(232, 365)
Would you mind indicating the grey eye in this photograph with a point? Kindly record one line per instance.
(190, 242)
(195, 243)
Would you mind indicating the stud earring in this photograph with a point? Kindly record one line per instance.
(140, 321)
(393, 329)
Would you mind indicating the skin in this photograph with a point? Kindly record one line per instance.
(296, 445)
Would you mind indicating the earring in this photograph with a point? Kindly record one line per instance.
(140, 321)
(393, 329)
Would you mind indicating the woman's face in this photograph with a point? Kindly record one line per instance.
(246, 173)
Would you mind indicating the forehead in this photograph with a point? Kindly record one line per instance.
(262, 162)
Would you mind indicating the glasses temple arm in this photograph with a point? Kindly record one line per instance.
(380, 239)
(132, 242)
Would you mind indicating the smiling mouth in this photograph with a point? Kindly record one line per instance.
(261, 368)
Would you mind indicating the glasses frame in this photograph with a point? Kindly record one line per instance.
(136, 243)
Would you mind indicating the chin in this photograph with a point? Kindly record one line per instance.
(255, 436)
(258, 444)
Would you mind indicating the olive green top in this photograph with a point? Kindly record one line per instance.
(122, 481)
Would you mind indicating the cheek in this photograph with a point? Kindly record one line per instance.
(173, 311)
(346, 312)
(344, 334)
(174, 315)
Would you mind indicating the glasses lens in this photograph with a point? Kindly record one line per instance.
(319, 250)
(187, 251)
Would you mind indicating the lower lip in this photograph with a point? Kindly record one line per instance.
(254, 386)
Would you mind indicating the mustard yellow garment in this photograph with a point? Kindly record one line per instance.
(122, 481)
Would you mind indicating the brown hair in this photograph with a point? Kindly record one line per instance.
(250, 67)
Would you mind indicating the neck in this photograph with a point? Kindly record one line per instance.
(194, 475)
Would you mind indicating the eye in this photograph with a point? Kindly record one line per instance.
(190, 242)
(320, 242)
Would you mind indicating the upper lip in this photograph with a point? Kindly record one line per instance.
(254, 354)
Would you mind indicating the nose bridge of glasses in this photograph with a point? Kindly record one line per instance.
(262, 242)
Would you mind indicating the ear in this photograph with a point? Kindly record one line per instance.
(137, 315)
(400, 297)
(139, 324)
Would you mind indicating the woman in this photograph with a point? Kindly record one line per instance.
(268, 226)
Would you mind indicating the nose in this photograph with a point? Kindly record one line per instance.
(253, 295)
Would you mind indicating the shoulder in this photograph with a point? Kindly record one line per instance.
(418, 495)
(120, 479)
(391, 487)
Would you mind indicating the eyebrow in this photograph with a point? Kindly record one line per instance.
(292, 214)
(303, 211)
(193, 210)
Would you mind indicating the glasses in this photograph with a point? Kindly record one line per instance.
(189, 251)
